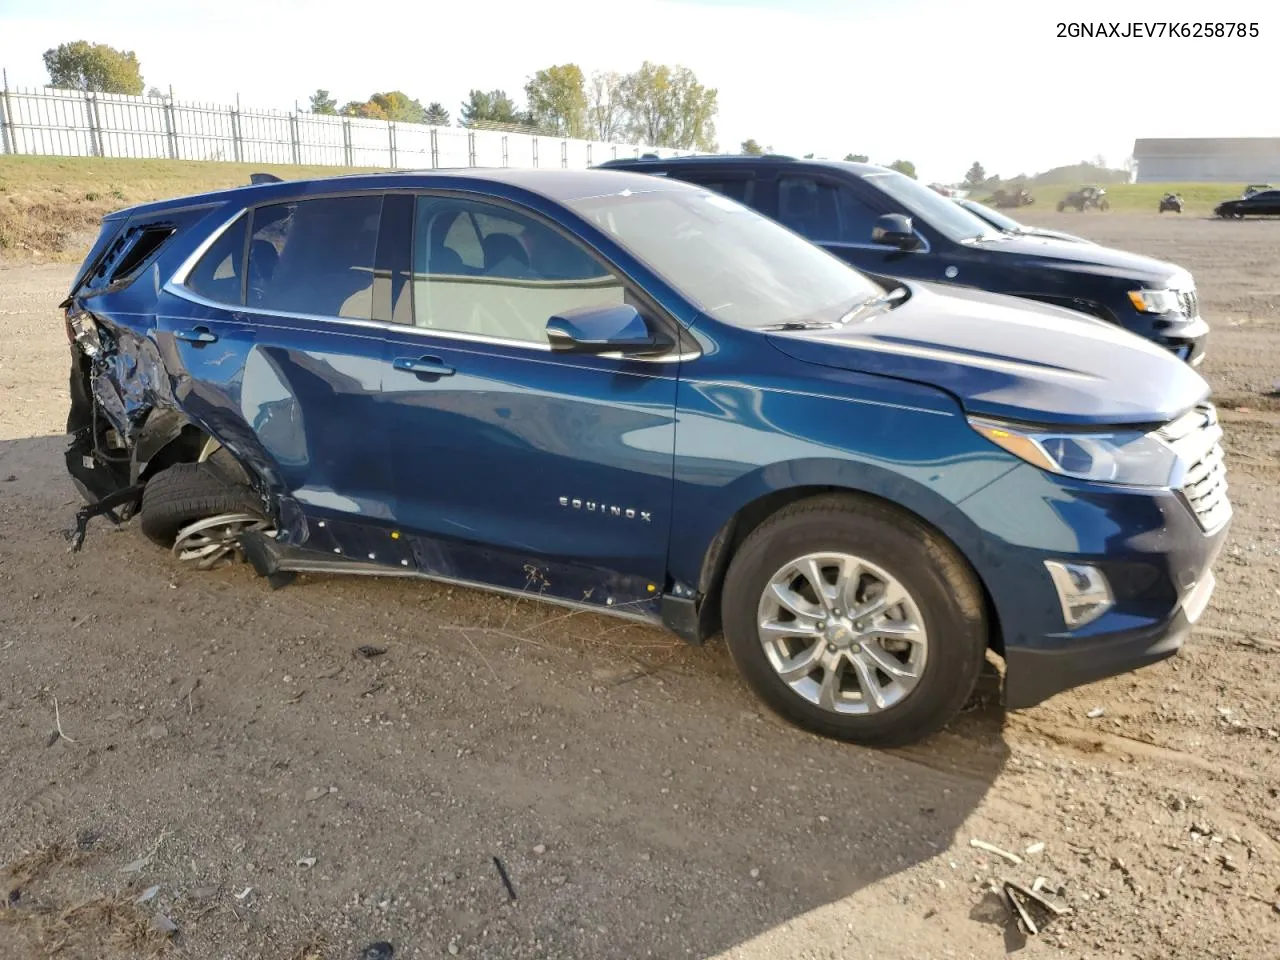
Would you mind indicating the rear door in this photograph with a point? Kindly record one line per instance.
(516, 466)
(279, 345)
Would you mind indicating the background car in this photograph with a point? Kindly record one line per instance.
(1263, 204)
(1007, 224)
(634, 396)
(889, 224)
(1171, 201)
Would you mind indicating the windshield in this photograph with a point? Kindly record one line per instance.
(992, 216)
(942, 213)
(735, 265)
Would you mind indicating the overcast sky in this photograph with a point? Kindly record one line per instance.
(939, 83)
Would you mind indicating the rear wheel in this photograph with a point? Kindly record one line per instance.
(198, 510)
(855, 621)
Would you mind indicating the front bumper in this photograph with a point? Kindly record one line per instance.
(1034, 675)
(1149, 545)
(1185, 339)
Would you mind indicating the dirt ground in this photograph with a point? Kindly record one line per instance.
(290, 799)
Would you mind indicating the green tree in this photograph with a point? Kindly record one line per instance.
(400, 106)
(95, 67)
(606, 113)
(749, 146)
(976, 176)
(557, 99)
(668, 107)
(857, 157)
(904, 166)
(322, 103)
(393, 105)
(155, 93)
(437, 115)
(366, 110)
(489, 106)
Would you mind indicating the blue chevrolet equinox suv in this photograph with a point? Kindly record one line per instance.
(884, 222)
(636, 396)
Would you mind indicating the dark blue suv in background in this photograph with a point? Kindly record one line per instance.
(884, 222)
(632, 395)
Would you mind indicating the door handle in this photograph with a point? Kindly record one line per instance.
(198, 335)
(430, 366)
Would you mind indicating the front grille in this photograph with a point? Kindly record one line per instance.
(1197, 438)
(1189, 303)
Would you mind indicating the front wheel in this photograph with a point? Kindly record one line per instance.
(1061, 207)
(855, 621)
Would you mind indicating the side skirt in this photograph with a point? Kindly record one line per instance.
(280, 564)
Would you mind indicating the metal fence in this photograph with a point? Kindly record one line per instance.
(69, 123)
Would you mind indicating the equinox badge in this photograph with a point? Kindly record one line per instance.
(607, 509)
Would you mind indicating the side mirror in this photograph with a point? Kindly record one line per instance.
(894, 230)
(608, 329)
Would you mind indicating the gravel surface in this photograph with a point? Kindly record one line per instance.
(206, 736)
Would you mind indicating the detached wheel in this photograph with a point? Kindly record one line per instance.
(855, 621)
(1061, 207)
(198, 510)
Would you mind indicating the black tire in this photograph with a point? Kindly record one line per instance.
(187, 492)
(944, 588)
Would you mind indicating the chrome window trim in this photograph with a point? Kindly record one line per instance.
(880, 247)
(176, 286)
(180, 275)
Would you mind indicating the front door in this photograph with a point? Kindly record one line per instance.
(516, 466)
(840, 220)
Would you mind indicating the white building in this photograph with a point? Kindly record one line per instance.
(1208, 160)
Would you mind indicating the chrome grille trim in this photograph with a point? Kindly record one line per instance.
(1196, 437)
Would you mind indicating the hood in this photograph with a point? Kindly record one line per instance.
(1009, 358)
(1091, 258)
(1053, 235)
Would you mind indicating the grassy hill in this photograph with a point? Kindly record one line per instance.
(50, 206)
(1198, 199)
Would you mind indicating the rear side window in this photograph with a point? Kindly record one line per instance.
(218, 274)
(315, 257)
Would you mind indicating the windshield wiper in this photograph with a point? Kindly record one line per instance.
(867, 304)
(800, 325)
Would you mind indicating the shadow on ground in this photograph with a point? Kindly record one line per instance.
(638, 799)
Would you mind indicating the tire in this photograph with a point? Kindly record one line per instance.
(939, 585)
(1061, 207)
(187, 492)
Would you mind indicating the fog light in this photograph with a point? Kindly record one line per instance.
(1083, 591)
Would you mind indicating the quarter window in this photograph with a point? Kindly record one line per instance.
(824, 212)
(485, 270)
(315, 256)
(218, 274)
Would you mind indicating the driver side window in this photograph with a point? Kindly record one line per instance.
(824, 212)
(489, 271)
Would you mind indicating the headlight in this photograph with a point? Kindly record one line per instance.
(1122, 456)
(1154, 301)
